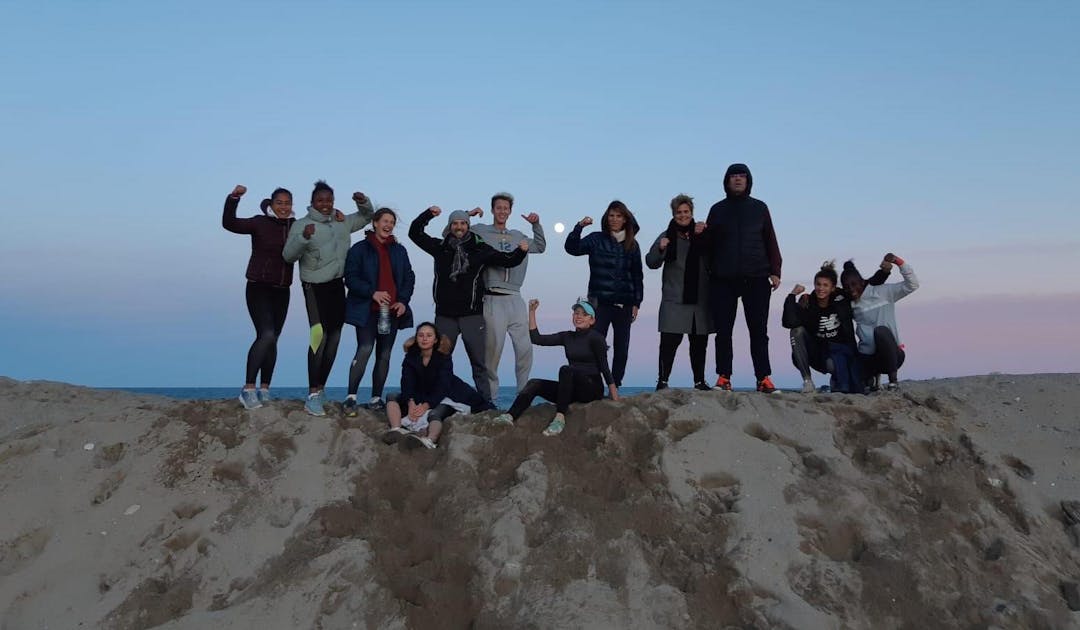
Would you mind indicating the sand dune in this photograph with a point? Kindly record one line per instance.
(937, 507)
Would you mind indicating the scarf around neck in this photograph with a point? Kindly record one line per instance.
(691, 267)
(460, 263)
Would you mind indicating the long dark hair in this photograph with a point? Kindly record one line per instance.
(630, 227)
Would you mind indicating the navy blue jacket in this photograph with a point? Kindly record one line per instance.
(435, 381)
(740, 232)
(362, 276)
(615, 275)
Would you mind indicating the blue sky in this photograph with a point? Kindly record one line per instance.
(944, 132)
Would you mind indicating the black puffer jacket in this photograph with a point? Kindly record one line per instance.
(615, 274)
(741, 234)
(464, 295)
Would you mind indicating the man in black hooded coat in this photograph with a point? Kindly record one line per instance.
(744, 263)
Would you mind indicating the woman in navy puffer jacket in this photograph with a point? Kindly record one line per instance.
(616, 280)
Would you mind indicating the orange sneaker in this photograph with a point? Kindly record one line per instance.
(765, 386)
(723, 383)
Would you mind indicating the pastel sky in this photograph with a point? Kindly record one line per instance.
(946, 132)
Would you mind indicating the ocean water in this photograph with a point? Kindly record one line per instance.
(505, 397)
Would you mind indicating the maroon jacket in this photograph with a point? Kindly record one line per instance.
(268, 236)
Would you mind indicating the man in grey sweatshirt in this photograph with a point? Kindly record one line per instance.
(504, 310)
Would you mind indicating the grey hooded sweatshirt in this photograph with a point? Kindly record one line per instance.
(508, 280)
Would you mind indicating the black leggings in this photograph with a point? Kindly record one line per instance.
(887, 357)
(619, 318)
(267, 305)
(669, 343)
(570, 388)
(325, 302)
(367, 337)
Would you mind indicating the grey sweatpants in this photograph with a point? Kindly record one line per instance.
(473, 334)
(507, 314)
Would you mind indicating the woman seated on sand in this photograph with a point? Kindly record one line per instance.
(430, 393)
(823, 332)
(580, 381)
(874, 310)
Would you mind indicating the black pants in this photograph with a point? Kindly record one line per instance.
(471, 330)
(888, 357)
(619, 318)
(724, 294)
(267, 305)
(571, 387)
(669, 343)
(325, 302)
(808, 353)
(367, 338)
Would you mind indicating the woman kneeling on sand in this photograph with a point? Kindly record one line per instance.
(580, 380)
(430, 393)
(880, 350)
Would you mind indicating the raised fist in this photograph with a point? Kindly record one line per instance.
(339, 216)
(524, 246)
(435, 211)
(699, 227)
(359, 198)
(532, 218)
(664, 242)
(309, 229)
(890, 258)
(534, 304)
(586, 222)
(239, 191)
(476, 212)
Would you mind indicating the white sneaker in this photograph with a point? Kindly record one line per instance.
(808, 387)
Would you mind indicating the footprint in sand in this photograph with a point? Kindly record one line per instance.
(1018, 466)
(21, 550)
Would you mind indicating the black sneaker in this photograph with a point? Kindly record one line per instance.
(702, 386)
(349, 407)
(661, 385)
(376, 404)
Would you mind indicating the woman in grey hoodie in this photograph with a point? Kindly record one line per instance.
(321, 245)
(874, 309)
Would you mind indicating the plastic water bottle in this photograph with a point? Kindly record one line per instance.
(384, 319)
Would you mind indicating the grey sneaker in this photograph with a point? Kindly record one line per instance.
(504, 419)
(264, 395)
(808, 386)
(249, 399)
(413, 440)
(349, 407)
(314, 405)
(892, 387)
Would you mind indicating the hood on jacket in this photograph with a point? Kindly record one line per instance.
(738, 169)
(319, 217)
(456, 215)
(443, 347)
(631, 227)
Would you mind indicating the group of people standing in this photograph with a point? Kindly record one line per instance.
(708, 266)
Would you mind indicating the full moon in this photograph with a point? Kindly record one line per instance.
(559, 227)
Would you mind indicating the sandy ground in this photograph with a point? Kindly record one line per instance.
(937, 507)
